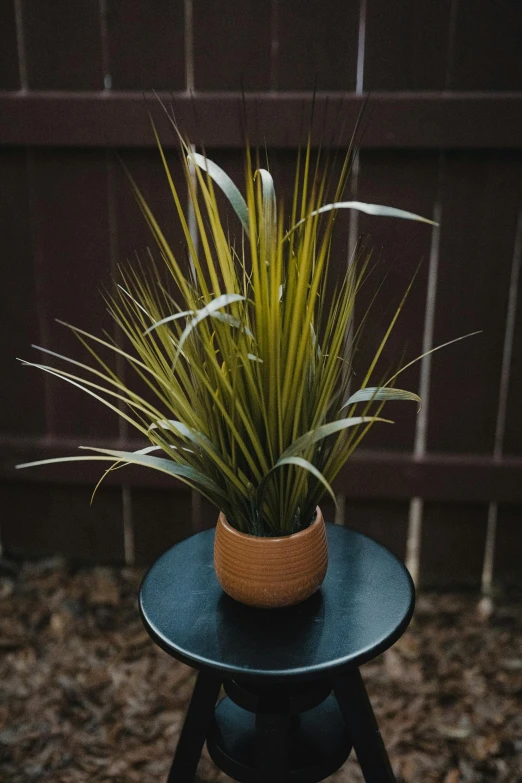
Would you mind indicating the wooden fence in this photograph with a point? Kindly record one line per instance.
(443, 137)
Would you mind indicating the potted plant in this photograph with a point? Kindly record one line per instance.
(247, 362)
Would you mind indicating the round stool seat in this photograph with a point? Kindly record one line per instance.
(362, 608)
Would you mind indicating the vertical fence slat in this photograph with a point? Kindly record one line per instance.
(134, 236)
(453, 538)
(160, 520)
(63, 44)
(329, 510)
(317, 45)
(385, 521)
(150, 517)
(232, 45)
(408, 181)
(503, 395)
(406, 45)
(146, 45)
(23, 398)
(47, 519)
(72, 264)
(9, 75)
(508, 546)
(488, 45)
(478, 225)
(206, 515)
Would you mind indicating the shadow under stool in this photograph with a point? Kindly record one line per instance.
(295, 702)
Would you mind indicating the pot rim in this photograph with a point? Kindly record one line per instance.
(222, 520)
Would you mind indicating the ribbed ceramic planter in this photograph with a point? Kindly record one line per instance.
(271, 572)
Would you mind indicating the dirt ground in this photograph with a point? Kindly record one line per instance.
(86, 696)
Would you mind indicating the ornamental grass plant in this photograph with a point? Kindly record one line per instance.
(246, 357)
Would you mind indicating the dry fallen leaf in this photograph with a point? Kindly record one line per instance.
(453, 776)
(86, 696)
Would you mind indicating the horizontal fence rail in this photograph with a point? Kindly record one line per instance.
(392, 120)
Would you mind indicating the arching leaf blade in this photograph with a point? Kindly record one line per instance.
(380, 393)
(269, 204)
(224, 182)
(305, 465)
(168, 319)
(323, 431)
(377, 210)
(158, 463)
(216, 304)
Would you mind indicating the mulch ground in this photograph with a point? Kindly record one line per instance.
(86, 696)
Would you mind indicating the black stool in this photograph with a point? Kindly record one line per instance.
(296, 702)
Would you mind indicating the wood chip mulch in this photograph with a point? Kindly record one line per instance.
(86, 696)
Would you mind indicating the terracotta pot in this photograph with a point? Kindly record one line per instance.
(271, 572)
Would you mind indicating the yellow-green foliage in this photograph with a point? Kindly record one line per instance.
(248, 365)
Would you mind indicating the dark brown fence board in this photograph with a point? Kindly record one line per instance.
(134, 238)
(398, 120)
(160, 520)
(204, 513)
(317, 45)
(232, 45)
(406, 45)
(9, 75)
(384, 521)
(23, 395)
(146, 45)
(488, 45)
(72, 263)
(63, 44)
(328, 508)
(400, 248)
(453, 539)
(479, 213)
(508, 545)
(40, 520)
(134, 235)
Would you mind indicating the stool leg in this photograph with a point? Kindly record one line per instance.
(272, 747)
(367, 741)
(195, 726)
